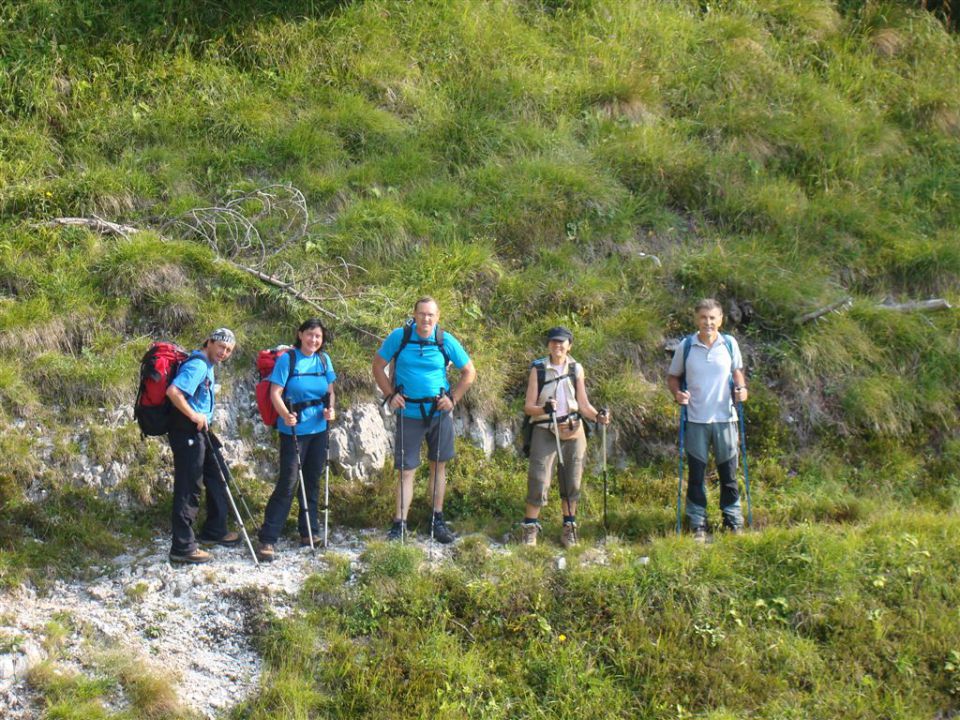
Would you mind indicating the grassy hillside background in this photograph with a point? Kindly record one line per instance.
(521, 161)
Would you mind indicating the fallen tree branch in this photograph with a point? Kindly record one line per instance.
(918, 305)
(810, 316)
(93, 223)
(105, 227)
(292, 291)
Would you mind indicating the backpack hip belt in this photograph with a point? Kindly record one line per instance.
(431, 401)
(571, 417)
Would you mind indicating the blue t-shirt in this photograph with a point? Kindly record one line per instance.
(420, 368)
(312, 377)
(195, 380)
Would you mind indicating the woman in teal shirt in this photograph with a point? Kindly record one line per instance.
(301, 390)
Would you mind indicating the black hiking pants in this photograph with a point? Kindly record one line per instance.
(195, 468)
(313, 457)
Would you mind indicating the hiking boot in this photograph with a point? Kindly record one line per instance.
(397, 531)
(700, 534)
(529, 532)
(568, 537)
(305, 541)
(194, 557)
(442, 532)
(733, 529)
(231, 539)
(266, 552)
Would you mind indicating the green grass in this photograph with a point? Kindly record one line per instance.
(801, 622)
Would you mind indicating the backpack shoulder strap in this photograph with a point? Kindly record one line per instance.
(541, 367)
(439, 340)
(728, 340)
(687, 344)
(404, 340)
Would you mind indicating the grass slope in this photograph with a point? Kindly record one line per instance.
(521, 161)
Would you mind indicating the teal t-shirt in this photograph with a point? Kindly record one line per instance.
(311, 380)
(421, 369)
(195, 380)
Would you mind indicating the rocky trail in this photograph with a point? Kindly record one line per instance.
(191, 623)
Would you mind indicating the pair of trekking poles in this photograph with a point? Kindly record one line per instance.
(552, 411)
(303, 489)
(227, 478)
(743, 451)
(436, 468)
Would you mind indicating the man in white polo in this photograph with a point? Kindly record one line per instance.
(706, 375)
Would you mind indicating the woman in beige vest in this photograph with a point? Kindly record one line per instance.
(557, 404)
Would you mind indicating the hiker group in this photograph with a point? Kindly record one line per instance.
(296, 396)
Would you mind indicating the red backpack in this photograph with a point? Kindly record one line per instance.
(158, 367)
(266, 359)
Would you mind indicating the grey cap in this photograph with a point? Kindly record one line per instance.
(224, 335)
(559, 333)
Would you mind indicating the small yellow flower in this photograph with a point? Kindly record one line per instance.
(562, 638)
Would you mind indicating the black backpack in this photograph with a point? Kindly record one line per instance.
(408, 337)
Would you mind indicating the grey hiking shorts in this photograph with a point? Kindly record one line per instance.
(543, 456)
(409, 436)
(724, 436)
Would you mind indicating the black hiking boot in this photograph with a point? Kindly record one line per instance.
(699, 534)
(442, 532)
(397, 531)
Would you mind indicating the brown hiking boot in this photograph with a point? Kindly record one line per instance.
(305, 541)
(568, 538)
(529, 532)
(266, 552)
(229, 540)
(195, 557)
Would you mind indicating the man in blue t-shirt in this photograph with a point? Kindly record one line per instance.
(421, 396)
(194, 466)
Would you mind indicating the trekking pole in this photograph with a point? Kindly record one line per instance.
(603, 441)
(683, 422)
(225, 470)
(403, 520)
(746, 471)
(552, 409)
(436, 475)
(326, 491)
(233, 505)
(303, 486)
(556, 431)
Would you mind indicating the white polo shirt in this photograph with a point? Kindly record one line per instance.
(708, 379)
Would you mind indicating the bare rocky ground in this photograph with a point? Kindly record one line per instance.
(191, 623)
